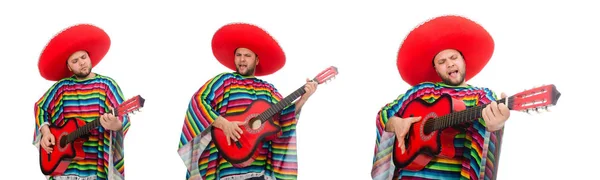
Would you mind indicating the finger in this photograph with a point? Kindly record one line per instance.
(490, 117)
(401, 144)
(52, 140)
(236, 135)
(484, 115)
(502, 95)
(415, 119)
(103, 122)
(239, 130)
(48, 150)
(488, 109)
(237, 127)
(494, 109)
(504, 109)
(228, 139)
(44, 144)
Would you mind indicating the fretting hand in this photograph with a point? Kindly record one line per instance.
(110, 121)
(495, 115)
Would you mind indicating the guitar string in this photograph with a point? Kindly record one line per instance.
(457, 117)
(89, 126)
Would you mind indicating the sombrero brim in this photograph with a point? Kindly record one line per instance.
(445, 32)
(241, 35)
(83, 37)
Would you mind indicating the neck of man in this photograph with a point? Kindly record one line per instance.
(89, 76)
(251, 75)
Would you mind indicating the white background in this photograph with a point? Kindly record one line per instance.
(162, 52)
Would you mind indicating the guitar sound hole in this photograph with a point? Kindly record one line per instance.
(63, 142)
(254, 123)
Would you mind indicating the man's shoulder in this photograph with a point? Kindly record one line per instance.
(224, 75)
(105, 77)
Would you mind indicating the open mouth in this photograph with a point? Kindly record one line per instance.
(453, 74)
(242, 66)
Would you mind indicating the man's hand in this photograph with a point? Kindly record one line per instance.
(110, 121)
(400, 126)
(495, 115)
(231, 130)
(47, 139)
(310, 87)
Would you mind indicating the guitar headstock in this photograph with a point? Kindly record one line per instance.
(326, 75)
(130, 106)
(535, 99)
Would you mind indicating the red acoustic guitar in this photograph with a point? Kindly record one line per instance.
(69, 144)
(431, 136)
(245, 149)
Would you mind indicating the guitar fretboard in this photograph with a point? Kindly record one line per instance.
(281, 104)
(455, 118)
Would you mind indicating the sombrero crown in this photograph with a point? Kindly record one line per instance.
(82, 37)
(242, 35)
(445, 32)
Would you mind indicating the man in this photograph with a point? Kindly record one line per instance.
(438, 57)
(80, 93)
(250, 52)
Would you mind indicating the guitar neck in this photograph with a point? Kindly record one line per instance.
(281, 104)
(83, 130)
(456, 118)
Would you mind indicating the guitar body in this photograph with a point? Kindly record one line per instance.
(422, 146)
(62, 154)
(243, 153)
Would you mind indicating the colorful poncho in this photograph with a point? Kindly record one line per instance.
(470, 144)
(232, 93)
(87, 100)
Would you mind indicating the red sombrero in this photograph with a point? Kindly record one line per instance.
(232, 36)
(446, 32)
(52, 63)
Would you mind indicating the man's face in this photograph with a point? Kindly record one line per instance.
(245, 61)
(80, 64)
(450, 66)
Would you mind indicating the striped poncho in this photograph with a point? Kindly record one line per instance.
(472, 145)
(86, 100)
(232, 93)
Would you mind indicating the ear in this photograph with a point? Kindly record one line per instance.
(69, 66)
(257, 60)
